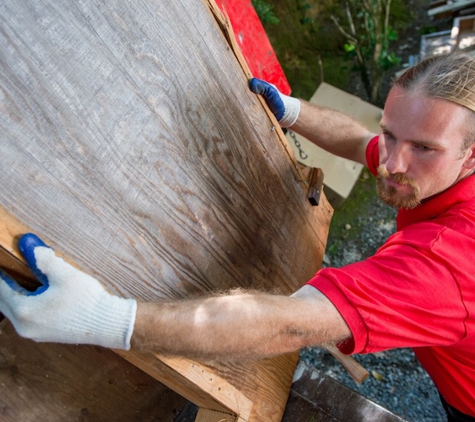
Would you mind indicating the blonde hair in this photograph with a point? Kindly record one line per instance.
(450, 77)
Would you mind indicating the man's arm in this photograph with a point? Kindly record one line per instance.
(240, 325)
(333, 131)
(330, 129)
(72, 307)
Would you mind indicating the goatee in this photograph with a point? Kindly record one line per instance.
(390, 194)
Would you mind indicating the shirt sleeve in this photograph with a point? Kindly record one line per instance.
(403, 296)
(372, 155)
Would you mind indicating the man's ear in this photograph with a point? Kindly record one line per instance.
(470, 158)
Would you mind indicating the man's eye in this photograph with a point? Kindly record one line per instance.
(388, 136)
(423, 148)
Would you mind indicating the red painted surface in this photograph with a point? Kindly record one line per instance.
(254, 43)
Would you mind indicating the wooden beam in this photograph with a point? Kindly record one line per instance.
(193, 380)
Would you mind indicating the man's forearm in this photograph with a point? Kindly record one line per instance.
(333, 131)
(236, 326)
(73, 307)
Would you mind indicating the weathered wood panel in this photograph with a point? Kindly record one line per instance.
(131, 143)
(266, 383)
(76, 383)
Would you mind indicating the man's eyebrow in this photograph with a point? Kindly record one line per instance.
(415, 141)
(385, 128)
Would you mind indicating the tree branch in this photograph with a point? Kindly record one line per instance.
(341, 29)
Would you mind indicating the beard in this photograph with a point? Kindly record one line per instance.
(390, 194)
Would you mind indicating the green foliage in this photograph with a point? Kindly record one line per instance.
(305, 42)
(392, 34)
(304, 6)
(310, 47)
(402, 13)
(365, 25)
(335, 71)
(265, 12)
(427, 29)
(389, 60)
(349, 48)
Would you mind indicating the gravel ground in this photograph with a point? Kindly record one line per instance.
(396, 381)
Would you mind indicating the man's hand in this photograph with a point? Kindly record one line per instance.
(69, 307)
(286, 109)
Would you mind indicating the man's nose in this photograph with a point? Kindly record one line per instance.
(397, 161)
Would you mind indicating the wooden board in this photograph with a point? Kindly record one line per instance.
(130, 128)
(255, 391)
(76, 383)
(132, 145)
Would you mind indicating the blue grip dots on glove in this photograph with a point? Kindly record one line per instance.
(27, 245)
(285, 109)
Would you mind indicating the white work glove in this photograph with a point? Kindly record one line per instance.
(70, 306)
(286, 109)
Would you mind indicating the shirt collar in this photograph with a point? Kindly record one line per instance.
(460, 192)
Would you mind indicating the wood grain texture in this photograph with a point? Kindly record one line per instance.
(255, 391)
(221, 387)
(132, 145)
(76, 383)
(195, 381)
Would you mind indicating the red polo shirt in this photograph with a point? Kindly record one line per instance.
(418, 290)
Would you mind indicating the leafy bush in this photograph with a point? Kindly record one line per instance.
(265, 12)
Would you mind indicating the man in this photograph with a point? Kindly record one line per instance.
(417, 291)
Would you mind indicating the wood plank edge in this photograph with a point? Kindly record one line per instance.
(194, 381)
(224, 24)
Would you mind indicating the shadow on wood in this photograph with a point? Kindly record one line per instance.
(60, 382)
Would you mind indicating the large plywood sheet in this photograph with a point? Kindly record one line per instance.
(131, 144)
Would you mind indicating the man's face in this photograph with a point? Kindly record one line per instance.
(421, 148)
